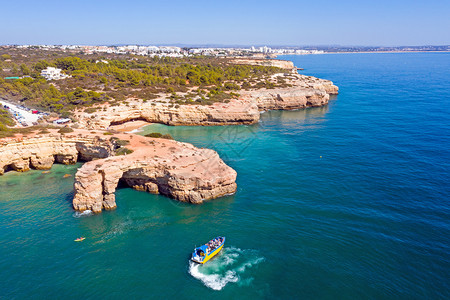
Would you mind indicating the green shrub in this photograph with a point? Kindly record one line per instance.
(122, 142)
(6, 118)
(154, 135)
(65, 130)
(118, 142)
(159, 135)
(246, 85)
(231, 86)
(123, 151)
(90, 110)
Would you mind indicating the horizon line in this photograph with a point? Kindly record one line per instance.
(186, 45)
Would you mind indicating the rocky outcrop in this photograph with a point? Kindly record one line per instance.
(282, 99)
(235, 112)
(303, 91)
(41, 153)
(177, 170)
(306, 91)
(310, 82)
(174, 169)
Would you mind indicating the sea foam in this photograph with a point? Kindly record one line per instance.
(85, 213)
(227, 267)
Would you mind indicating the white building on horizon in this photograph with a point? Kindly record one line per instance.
(52, 73)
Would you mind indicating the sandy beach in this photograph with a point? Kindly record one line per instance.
(129, 126)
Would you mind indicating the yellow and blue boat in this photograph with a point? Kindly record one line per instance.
(207, 251)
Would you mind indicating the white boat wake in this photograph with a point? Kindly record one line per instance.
(230, 265)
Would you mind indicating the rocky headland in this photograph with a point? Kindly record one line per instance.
(303, 91)
(278, 63)
(177, 170)
(41, 153)
(174, 169)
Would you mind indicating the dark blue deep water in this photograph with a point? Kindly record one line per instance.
(347, 201)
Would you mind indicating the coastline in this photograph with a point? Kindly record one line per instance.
(300, 92)
(155, 165)
(174, 169)
(130, 127)
(374, 52)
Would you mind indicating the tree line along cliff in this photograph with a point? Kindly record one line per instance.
(114, 78)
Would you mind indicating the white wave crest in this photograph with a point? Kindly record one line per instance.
(213, 281)
(229, 266)
(249, 264)
(229, 259)
(85, 213)
(135, 130)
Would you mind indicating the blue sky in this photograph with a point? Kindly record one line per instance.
(282, 22)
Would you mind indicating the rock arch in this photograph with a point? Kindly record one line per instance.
(42, 153)
(185, 173)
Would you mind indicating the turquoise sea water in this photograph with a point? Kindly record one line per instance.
(345, 201)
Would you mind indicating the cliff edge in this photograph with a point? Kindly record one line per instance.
(301, 92)
(174, 169)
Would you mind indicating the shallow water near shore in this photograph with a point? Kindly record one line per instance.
(346, 201)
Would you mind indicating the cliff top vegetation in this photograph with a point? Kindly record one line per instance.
(113, 78)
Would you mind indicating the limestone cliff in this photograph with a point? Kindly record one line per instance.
(235, 112)
(41, 153)
(285, 99)
(170, 168)
(303, 91)
(283, 64)
(177, 170)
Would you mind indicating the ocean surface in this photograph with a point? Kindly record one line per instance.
(346, 201)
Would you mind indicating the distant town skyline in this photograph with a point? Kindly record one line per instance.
(230, 23)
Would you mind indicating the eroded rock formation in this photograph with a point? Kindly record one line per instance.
(177, 170)
(304, 91)
(233, 113)
(41, 153)
(283, 64)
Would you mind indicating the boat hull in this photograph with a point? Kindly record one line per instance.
(211, 255)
